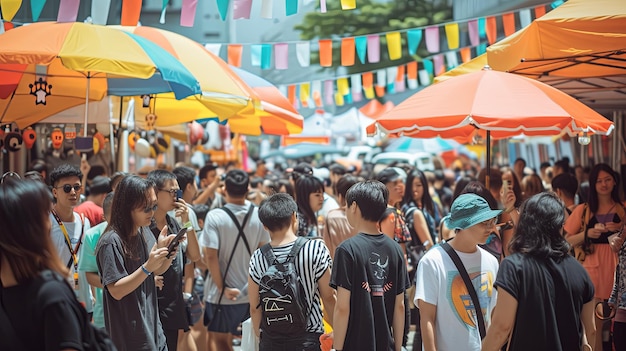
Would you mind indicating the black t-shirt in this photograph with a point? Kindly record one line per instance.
(372, 267)
(42, 315)
(550, 297)
(171, 304)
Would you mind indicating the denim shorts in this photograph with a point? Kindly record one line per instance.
(225, 318)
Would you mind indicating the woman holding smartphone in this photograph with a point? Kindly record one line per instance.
(172, 308)
(129, 256)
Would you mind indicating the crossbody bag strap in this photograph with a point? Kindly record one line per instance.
(470, 287)
(232, 253)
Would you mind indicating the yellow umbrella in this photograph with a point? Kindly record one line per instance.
(473, 65)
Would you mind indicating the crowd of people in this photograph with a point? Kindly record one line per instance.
(179, 258)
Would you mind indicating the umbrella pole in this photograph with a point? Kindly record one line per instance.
(87, 104)
(488, 161)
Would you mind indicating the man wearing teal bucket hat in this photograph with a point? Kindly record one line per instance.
(449, 320)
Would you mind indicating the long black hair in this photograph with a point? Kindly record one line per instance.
(427, 200)
(592, 199)
(540, 228)
(305, 186)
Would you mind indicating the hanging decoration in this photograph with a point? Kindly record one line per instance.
(29, 136)
(56, 136)
(41, 90)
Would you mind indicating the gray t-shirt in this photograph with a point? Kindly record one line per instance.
(132, 322)
(220, 233)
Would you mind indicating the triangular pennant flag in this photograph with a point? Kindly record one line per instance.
(414, 38)
(291, 7)
(222, 8)
(281, 55)
(163, 10)
(303, 53)
(466, 54)
(394, 45)
(432, 39)
(267, 8)
(472, 29)
(492, 30)
(241, 9)
(255, 55)
(234, 54)
(37, 5)
(361, 47)
(347, 51)
(99, 10)
(266, 56)
(326, 52)
(508, 21)
(482, 31)
(68, 11)
(524, 17)
(452, 35)
(188, 12)
(373, 48)
(9, 8)
(348, 4)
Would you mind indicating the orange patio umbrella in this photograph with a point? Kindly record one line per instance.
(494, 104)
(581, 38)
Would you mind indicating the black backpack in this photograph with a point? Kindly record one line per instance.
(282, 299)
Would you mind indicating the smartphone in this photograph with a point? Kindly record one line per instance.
(174, 243)
(505, 185)
(179, 194)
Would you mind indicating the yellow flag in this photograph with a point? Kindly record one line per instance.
(394, 45)
(342, 86)
(10, 8)
(452, 34)
(339, 99)
(348, 4)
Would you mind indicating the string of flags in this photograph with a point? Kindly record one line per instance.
(367, 48)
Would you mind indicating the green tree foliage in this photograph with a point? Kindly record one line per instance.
(372, 17)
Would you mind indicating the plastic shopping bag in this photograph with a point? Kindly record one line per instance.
(249, 340)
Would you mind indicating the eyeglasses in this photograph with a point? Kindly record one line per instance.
(171, 191)
(67, 188)
(150, 209)
(489, 223)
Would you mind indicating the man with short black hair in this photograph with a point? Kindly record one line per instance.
(565, 186)
(209, 182)
(278, 214)
(92, 207)
(370, 277)
(227, 255)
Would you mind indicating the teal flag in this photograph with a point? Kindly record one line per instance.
(361, 47)
(429, 67)
(255, 55)
(482, 24)
(222, 7)
(36, 6)
(414, 39)
(481, 49)
(266, 56)
(291, 7)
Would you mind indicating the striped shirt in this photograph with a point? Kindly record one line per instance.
(312, 261)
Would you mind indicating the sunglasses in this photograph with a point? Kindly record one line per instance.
(150, 209)
(67, 188)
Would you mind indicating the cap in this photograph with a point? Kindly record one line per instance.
(468, 210)
(390, 174)
(100, 185)
(303, 168)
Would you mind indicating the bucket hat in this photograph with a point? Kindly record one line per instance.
(468, 210)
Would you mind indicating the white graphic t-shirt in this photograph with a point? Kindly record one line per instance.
(439, 283)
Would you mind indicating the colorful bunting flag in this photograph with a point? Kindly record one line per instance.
(355, 83)
(241, 9)
(373, 48)
(368, 84)
(317, 93)
(10, 8)
(68, 11)
(414, 38)
(234, 54)
(411, 74)
(303, 53)
(482, 31)
(348, 4)
(508, 22)
(329, 92)
(452, 34)
(99, 10)
(540, 11)
(361, 48)
(255, 55)
(291, 7)
(524, 17)
(347, 51)
(432, 39)
(492, 30)
(394, 45)
(222, 8)
(466, 54)
(266, 56)
(326, 52)
(281, 54)
(267, 8)
(472, 29)
(37, 5)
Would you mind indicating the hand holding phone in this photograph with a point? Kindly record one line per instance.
(179, 194)
(174, 243)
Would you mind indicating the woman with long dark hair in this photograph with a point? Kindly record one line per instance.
(310, 199)
(589, 227)
(543, 293)
(129, 256)
(44, 313)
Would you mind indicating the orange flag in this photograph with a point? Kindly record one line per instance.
(131, 9)
(411, 70)
(347, 51)
(368, 82)
(400, 74)
(492, 30)
(540, 11)
(466, 54)
(234, 54)
(291, 94)
(508, 20)
(326, 52)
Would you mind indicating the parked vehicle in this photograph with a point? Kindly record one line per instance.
(421, 160)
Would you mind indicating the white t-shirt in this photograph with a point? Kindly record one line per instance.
(58, 239)
(439, 283)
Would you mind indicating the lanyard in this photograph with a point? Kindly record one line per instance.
(73, 252)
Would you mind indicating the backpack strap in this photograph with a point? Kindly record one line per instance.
(240, 235)
(470, 287)
(268, 253)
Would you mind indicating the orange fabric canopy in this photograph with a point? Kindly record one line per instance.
(581, 38)
(504, 104)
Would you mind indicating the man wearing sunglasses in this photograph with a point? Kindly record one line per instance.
(68, 227)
